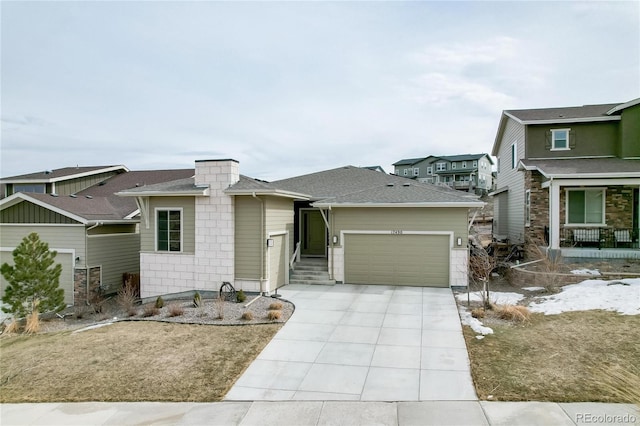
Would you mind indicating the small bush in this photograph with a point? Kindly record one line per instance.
(81, 311)
(220, 307)
(132, 312)
(240, 296)
(274, 315)
(197, 300)
(33, 319)
(12, 327)
(516, 313)
(159, 302)
(127, 297)
(477, 313)
(175, 310)
(248, 316)
(150, 311)
(276, 306)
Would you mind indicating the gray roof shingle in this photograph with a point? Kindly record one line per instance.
(66, 172)
(585, 166)
(564, 113)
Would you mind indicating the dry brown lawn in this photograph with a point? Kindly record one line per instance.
(129, 361)
(563, 358)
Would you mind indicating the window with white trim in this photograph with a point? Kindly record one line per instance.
(38, 188)
(429, 170)
(406, 172)
(453, 166)
(514, 155)
(169, 230)
(585, 206)
(464, 164)
(527, 207)
(441, 167)
(560, 139)
(416, 171)
(475, 163)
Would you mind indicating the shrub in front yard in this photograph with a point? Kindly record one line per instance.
(159, 302)
(276, 306)
(248, 316)
(240, 296)
(273, 315)
(175, 310)
(197, 300)
(150, 311)
(515, 313)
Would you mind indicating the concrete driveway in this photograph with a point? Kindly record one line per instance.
(367, 343)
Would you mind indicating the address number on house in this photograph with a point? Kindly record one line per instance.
(396, 232)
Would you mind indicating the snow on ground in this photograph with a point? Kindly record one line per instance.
(497, 297)
(622, 296)
(593, 272)
(474, 323)
(533, 288)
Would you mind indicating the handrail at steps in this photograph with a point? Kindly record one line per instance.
(295, 256)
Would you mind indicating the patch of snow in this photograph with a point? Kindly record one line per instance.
(497, 297)
(479, 337)
(474, 323)
(622, 296)
(533, 288)
(593, 272)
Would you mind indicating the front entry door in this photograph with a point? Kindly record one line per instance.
(313, 233)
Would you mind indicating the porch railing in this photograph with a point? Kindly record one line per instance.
(603, 237)
(295, 257)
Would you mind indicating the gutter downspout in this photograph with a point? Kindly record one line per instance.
(262, 241)
(86, 258)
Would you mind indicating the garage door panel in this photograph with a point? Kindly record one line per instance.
(407, 259)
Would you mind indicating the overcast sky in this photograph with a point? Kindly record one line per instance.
(288, 88)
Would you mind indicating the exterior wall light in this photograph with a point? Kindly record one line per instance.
(335, 239)
(459, 241)
(269, 242)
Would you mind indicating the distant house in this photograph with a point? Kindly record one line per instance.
(375, 168)
(570, 176)
(464, 172)
(68, 180)
(76, 212)
(353, 225)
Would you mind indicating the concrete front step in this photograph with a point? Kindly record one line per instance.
(312, 282)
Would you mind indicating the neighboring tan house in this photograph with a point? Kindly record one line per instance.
(570, 176)
(360, 225)
(465, 172)
(94, 232)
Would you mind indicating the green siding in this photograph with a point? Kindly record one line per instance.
(248, 217)
(630, 133)
(26, 212)
(402, 219)
(590, 139)
(148, 235)
(76, 185)
(117, 254)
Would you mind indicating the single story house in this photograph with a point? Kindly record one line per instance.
(367, 227)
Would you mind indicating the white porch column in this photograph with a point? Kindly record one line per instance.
(554, 215)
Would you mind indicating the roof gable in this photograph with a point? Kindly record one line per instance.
(66, 173)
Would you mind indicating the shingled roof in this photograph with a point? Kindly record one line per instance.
(584, 167)
(585, 112)
(62, 174)
(99, 202)
(351, 185)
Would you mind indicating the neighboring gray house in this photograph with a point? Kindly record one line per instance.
(94, 232)
(464, 172)
(570, 176)
(360, 225)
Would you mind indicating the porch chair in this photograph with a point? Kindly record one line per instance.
(622, 236)
(584, 237)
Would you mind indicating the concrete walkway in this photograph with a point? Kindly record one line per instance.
(363, 343)
(300, 413)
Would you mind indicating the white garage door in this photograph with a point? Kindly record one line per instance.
(407, 259)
